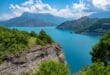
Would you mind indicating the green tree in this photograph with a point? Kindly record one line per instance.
(45, 37)
(33, 34)
(97, 68)
(101, 51)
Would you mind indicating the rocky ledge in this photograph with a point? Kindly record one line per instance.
(28, 61)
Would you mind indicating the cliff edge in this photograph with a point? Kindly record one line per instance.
(28, 61)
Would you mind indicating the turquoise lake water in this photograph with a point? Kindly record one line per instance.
(75, 46)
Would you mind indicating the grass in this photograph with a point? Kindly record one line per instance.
(32, 42)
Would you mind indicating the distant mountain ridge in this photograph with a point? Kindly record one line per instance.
(23, 21)
(45, 17)
(32, 19)
(87, 25)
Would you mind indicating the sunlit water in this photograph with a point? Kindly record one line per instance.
(75, 46)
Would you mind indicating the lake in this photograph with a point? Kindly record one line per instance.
(75, 46)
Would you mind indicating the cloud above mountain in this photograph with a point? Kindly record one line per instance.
(102, 4)
(37, 6)
(77, 10)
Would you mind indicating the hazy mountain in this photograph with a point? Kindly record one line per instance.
(31, 19)
(23, 21)
(87, 25)
(45, 17)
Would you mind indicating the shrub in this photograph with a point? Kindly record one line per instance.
(52, 68)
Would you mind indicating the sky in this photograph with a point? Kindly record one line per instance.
(62, 8)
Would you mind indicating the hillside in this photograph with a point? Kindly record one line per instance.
(87, 25)
(22, 52)
(45, 17)
(31, 19)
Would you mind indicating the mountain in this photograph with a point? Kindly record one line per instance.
(23, 21)
(31, 19)
(87, 25)
(45, 17)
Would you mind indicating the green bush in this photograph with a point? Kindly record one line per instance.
(101, 51)
(100, 57)
(33, 34)
(43, 38)
(40, 42)
(52, 68)
(96, 69)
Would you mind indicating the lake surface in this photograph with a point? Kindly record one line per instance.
(75, 46)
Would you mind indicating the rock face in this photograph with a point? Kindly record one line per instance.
(28, 61)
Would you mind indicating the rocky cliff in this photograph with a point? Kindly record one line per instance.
(28, 61)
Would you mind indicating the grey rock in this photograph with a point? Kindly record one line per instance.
(28, 61)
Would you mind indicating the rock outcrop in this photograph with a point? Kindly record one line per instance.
(28, 61)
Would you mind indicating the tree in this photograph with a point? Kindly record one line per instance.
(101, 51)
(45, 37)
(97, 68)
(33, 34)
(52, 68)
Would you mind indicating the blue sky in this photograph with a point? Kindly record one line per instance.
(55, 3)
(61, 8)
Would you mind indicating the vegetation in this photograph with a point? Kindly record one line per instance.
(14, 41)
(100, 57)
(53, 68)
(101, 51)
(87, 25)
(33, 34)
(50, 68)
(95, 69)
(44, 38)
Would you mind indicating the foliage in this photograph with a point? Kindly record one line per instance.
(44, 38)
(33, 34)
(87, 25)
(100, 57)
(40, 42)
(32, 42)
(52, 68)
(14, 41)
(96, 69)
(101, 51)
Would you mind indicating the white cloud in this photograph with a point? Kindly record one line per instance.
(80, 9)
(37, 6)
(32, 6)
(102, 4)
(30, 2)
(6, 16)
